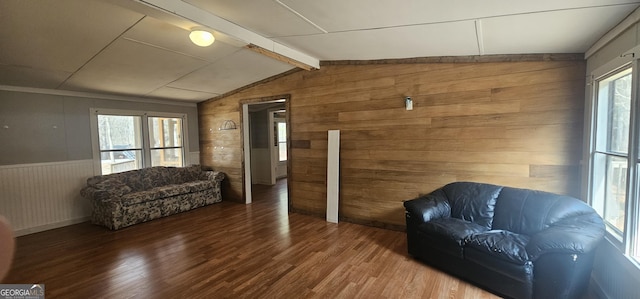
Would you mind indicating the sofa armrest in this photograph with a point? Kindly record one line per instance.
(428, 207)
(214, 175)
(94, 194)
(576, 235)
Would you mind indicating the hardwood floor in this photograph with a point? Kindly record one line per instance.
(230, 250)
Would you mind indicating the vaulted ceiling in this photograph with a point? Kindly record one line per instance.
(141, 47)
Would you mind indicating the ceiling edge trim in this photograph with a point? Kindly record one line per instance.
(463, 59)
(91, 95)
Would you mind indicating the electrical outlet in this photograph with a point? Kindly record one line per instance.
(408, 103)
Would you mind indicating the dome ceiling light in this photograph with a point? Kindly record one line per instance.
(202, 38)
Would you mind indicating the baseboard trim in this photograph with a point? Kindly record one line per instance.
(50, 226)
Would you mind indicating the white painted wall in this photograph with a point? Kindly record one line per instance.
(260, 166)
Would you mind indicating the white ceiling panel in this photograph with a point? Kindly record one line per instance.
(240, 69)
(565, 31)
(128, 67)
(444, 39)
(30, 77)
(58, 35)
(265, 17)
(167, 36)
(341, 15)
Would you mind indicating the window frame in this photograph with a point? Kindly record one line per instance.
(629, 240)
(146, 142)
(600, 151)
(152, 147)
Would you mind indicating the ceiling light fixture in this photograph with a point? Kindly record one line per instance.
(202, 38)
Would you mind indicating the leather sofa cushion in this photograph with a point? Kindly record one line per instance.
(504, 245)
(473, 202)
(452, 229)
(490, 263)
(529, 211)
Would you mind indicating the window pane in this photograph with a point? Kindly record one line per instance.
(616, 194)
(119, 161)
(282, 141)
(282, 132)
(282, 151)
(614, 110)
(119, 132)
(609, 185)
(120, 143)
(610, 190)
(165, 132)
(166, 157)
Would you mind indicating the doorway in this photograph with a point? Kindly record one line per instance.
(265, 138)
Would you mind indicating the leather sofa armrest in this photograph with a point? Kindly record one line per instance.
(576, 235)
(428, 207)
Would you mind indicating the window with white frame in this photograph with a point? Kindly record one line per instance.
(165, 136)
(127, 140)
(613, 178)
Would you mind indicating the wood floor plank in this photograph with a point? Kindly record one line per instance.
(231, 250)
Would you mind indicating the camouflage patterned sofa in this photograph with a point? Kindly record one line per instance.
(123, 199)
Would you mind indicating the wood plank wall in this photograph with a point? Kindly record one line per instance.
(515, 123)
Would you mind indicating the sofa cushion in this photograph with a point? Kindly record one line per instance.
(156, 176)
(138, 197)
(187, 174)
(473, 202)
(133, 179)
(453, 229)
(445, 236)
(154, 194)
(196, 186)
(528, 212)
(114, 186)
(500, 244)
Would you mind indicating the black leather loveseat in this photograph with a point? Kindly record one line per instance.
(516, 243)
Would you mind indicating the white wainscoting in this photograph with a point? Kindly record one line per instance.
(42, 196)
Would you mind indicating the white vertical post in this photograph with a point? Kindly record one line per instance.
(333, 175)
(247, 153)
